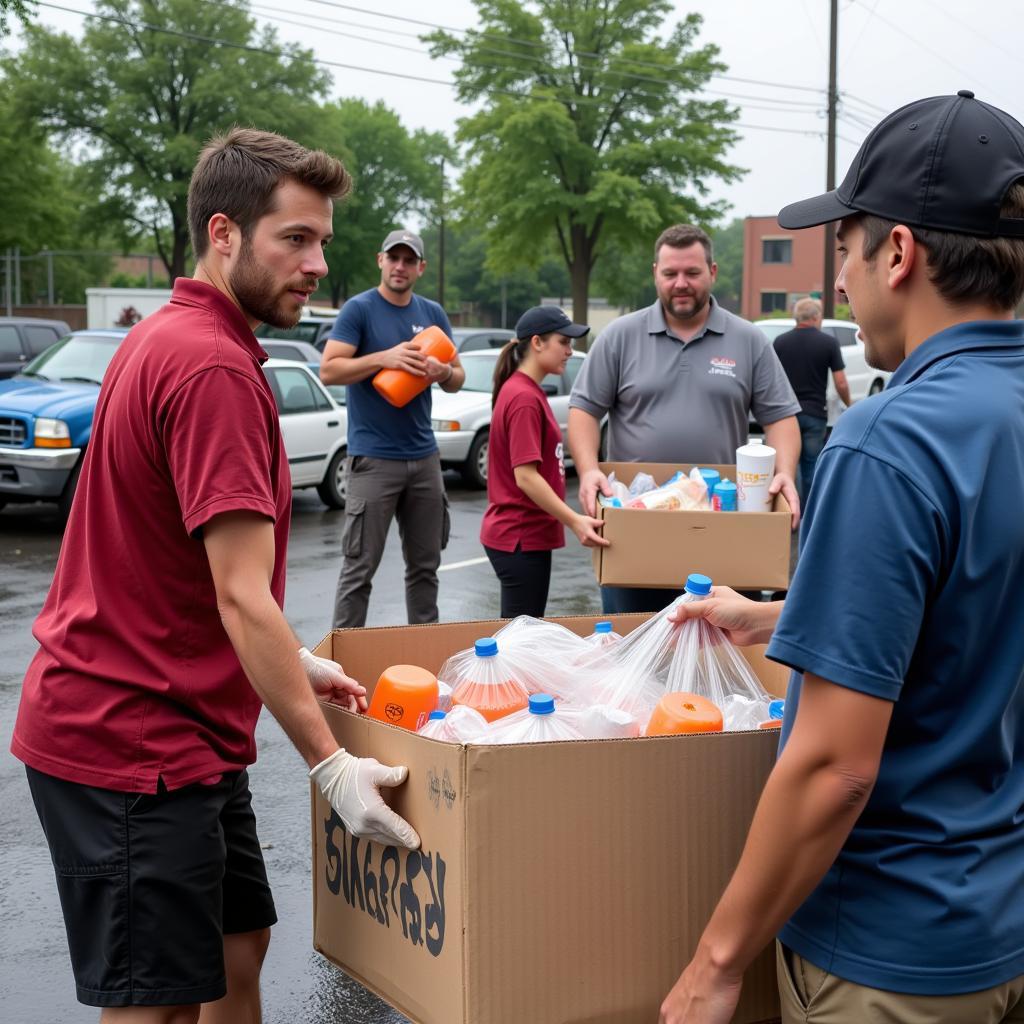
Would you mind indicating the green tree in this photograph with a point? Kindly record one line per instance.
(396, 173)
(469, 280)
(19, 8)
(590, 128)
(146, 87)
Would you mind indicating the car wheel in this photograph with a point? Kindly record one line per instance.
(474, 469)
(334, 486)
(876, 388)
(68, 494)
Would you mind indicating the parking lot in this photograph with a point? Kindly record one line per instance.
(35, 977)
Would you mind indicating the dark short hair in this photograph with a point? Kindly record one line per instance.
(682, 236)
(965, 268)
(237, 173)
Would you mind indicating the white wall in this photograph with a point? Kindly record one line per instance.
(104, 305)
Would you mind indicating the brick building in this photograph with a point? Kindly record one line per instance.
(779, 266)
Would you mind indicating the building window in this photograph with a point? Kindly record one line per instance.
(776, 250)
(772, 302)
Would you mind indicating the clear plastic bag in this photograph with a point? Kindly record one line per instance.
(541, 722)
(601, 722)
(704, 662)
(641, 484)
(603, 636)
(460, 725)
(619, 489)
(444, 695)
(483, 678)
(679, 494)
(546, 656)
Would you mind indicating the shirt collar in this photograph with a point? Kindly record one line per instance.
(190, 292)
(716, 321)
(966, 337)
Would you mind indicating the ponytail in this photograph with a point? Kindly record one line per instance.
(508, 362)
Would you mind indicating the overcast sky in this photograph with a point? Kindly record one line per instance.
(889, 54)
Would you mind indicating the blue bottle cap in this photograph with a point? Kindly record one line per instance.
(616, 503)
(698, 584)
(776, 709)
(486, 648)
(436, 716)
(603, 627)
(724, 485)
(541, 704)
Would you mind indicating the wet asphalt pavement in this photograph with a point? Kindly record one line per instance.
(298, 985)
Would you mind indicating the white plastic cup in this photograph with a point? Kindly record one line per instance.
(755, 468)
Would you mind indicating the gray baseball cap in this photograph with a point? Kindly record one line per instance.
(403, 237)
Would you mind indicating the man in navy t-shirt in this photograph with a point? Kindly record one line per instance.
(887, 851)
(393, 464)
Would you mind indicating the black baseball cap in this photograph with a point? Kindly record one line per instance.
(403, 237)
(544, 320)
(944, 163)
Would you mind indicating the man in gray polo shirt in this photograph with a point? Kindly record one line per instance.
(679, 382)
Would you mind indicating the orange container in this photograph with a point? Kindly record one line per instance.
(400, 387)
(405, 695)
(772, 723)
(682, 713)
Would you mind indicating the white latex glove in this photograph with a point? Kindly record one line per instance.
(351, 786)
(330, 683)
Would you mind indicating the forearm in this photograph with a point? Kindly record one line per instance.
(844, 394)
(454, 382)
(803, 818)
(350, 369)
(784, 437)
(584, 440)
(268, 651)
(540, 492)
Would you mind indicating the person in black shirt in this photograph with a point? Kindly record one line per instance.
(807, 354)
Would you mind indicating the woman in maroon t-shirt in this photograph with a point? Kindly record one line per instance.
(526, 507)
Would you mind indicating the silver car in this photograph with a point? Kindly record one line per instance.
(462, 422)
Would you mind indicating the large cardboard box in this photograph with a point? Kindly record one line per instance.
(557, 883)
(745, 550)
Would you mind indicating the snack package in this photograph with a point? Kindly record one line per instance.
(679, 493)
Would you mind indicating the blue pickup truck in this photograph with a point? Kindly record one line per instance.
(46, 416)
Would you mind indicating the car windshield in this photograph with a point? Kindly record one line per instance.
(480, 371)
(82, 358)
(339, 392)
(302, 331)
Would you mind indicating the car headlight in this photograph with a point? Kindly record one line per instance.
(445, 425)
(52, 433)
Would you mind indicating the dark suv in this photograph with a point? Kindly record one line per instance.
(23, 338)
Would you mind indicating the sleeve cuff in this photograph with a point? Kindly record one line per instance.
(578, 402)
(200, 516)
(799, 658)
(767, 418)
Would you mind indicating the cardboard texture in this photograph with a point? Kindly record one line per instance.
(557, 883)
(744, 550)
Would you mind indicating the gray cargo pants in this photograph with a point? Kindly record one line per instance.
(378, 491)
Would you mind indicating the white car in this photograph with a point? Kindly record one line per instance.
(314, 427)
(863, 380)
(462, 421)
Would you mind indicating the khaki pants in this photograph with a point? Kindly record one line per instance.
(380, 490)
(810, 995)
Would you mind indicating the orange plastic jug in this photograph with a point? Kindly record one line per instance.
(404, 696)
(682, 713)
(400, 387)
(772, 723)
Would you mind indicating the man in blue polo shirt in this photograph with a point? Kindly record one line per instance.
(394, 469)
(887, 852)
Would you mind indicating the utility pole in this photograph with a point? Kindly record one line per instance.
(440, 244)
(828, 291)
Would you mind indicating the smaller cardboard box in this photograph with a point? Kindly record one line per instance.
(744, 550)
(557, 883)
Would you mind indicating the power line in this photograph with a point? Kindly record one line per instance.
(777, 105)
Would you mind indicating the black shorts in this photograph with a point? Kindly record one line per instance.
(150, 884)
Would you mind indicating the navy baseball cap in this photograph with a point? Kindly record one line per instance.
(944, 163)
(544, 320)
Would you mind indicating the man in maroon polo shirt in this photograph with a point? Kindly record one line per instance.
(163, 636)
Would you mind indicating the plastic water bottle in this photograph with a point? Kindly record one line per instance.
(539, 723)
(434, 728)
(755, 467)
(603, 635)
(711, 478)
(724, 499)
